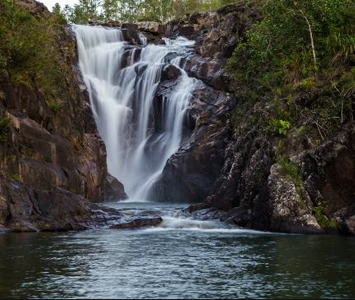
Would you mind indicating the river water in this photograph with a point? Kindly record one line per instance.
(183, 258)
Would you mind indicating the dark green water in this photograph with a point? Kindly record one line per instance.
(182, 259)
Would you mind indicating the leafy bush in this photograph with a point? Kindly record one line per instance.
(291, 170)
(29, 51)
(323, 221)
(55, 105)
(280, 127)
(4, 129)
(295, 39)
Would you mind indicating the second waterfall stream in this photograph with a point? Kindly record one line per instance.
(122, 81)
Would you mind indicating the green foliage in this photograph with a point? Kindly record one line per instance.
(58, 13)
(291, 170)
(302, 130)
(4, 129)
(83, 12)
(279, 50)
(55, 105)
(322, 219)
(2, 95)
(16, 177)
(133, 11)
(29, 51)
(301, 53)
(280, 127)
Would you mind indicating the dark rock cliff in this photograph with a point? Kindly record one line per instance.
(52, 161)
(192, 172)
(232, 164)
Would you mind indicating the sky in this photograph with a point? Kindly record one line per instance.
(51, 3)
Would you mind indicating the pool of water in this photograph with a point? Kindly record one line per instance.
(183, 258)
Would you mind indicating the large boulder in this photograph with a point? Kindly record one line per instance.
(151, 27)
(114, 190)
(290, 211)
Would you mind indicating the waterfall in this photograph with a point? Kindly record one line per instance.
(122, 82)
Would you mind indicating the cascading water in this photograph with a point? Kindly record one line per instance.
(122, 81)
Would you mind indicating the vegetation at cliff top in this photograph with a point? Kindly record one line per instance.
(29, 52)
(4, 129)
(302, 56)
(133, 10)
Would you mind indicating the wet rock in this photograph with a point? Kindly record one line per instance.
(257, 193)
(208, 214)
(138, 222)
(239, 216)
(114, 190)
(34, 210)
(196, 207)
(131, 34)
(170, 72)
(151, 27)
(189, 174)
(349, 226)
(210, 71)
(217, 32)
(23, 209)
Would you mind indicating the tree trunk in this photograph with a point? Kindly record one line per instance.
(311, 37)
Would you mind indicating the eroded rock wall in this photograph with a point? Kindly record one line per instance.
(52, 160)
(233, 165)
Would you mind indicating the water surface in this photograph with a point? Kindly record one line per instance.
(195, 260)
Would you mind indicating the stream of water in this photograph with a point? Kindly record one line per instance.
(182, 258)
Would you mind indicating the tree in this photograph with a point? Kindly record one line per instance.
(83, 12)
(111, 9)
(296, 37)
(138, 10)
(57, 11)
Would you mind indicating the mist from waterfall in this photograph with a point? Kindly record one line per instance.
(122, 82)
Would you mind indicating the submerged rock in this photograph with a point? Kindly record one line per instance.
(137, 221)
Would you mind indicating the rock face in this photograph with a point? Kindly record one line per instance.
(52, 161)
(255, 192)
(216, 34)
(152, 27)
(190, 174)
(235, 170)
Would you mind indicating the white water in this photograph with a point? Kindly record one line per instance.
(122, 81)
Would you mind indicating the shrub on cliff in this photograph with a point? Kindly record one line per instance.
(302, 55)
(296, 39)
(4, 129)
(29, 51)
